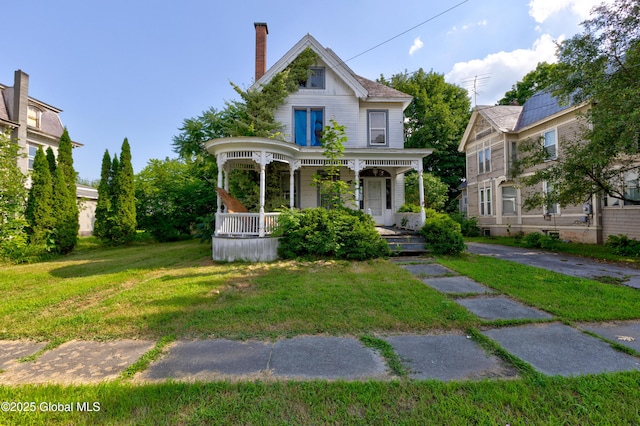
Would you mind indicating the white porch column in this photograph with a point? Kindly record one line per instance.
(292, 185)
(220, 166)
(356, 192)
(226, 180)
(423, 215)
(262, 193)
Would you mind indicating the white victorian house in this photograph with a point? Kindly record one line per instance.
(374, 160)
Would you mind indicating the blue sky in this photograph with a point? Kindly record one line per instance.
(138, 68)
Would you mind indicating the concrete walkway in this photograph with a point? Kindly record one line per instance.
(549, 347)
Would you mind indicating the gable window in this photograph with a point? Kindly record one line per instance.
(550, 207)
(33, 117)
(485, 201)
(509, 199)
(484, 160)
(32, 155)
(378, 128)
(307, 126)
(315, 79)
(550, 144)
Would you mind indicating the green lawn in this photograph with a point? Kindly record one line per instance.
(168, 291)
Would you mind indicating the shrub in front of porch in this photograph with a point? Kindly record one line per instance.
(442, 233)
(338, 233)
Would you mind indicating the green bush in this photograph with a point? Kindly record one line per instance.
(341, 233)
(409, 208)
(468, 226)
(623, 245)
(442, 234)
(541, 241)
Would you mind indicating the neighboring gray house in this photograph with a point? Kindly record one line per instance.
(33, 123)
(492, 195)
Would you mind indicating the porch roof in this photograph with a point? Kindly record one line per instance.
(251, 148)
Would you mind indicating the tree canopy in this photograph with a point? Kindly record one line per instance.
(542, 77)
(600, 66)
(436, 118)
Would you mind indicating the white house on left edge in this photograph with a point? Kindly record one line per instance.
(33, 123)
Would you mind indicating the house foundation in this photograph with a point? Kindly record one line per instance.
(248, 249)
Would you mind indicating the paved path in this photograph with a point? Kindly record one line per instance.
(562, 263)
(548, 346)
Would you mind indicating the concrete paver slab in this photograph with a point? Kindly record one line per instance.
(624, 333)
(557, 349)
(78, 362)
(495, 308)
(12, 350)
(428, 269)
(447, 357)
(316, 357)
(458, 284)
(210, 359)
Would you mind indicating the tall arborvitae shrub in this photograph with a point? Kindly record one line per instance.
(65, 164)
(12, 200)
(39, 211)
(103, 206)
(65, 229)
(51, 159)
(125, 197)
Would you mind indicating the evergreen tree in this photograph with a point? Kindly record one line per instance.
(124, 200)
(12, 200)
(103, 206)
(65, 163)
(39, 211)
(51, 158)
(65, 231)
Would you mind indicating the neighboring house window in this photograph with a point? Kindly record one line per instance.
(549, 206)
(308, 125)
(631, 189)
(33, 117)
(551, 144)
(485, 201)
(484, 160)
(513, 155)
(315, 79)
(32, 154)
(378, 127)
(509, 200)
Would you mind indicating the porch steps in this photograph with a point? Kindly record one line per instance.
(403, 242)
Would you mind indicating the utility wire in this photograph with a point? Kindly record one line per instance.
(410, 29)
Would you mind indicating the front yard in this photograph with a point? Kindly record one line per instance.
(174, 291)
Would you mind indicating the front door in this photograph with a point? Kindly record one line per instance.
(374, 199)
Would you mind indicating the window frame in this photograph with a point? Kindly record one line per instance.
(308, 138)
(35, 119)
(511, 199)
(547, 146)
(484, 159)
(484, 205)
(370, 128)
(307, 84)
(31, 158)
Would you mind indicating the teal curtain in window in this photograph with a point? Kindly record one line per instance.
(301, 127)
(316, 126)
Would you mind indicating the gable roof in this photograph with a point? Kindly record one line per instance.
(362, 87)
(503, 118)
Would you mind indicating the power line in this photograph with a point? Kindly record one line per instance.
(410, 29)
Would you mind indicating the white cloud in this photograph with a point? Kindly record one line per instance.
(417, 45)
(455, 29)
(541, 10)
(497, 72)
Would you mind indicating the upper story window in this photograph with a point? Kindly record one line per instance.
(32, 155)
(33, 117)
(307, 126)
(378, 128)
(484, 159)
(551, 144)
(315, 79)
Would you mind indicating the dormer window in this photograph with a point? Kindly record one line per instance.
(33, 117)
(315, 79)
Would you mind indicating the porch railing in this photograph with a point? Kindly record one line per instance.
(244, 224)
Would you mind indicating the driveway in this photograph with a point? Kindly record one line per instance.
(562, 263)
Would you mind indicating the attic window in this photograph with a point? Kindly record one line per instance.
(315, 79)
(33, 117)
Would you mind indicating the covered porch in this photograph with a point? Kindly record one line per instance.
(376, 177)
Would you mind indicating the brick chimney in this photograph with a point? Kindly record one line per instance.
(261, 48)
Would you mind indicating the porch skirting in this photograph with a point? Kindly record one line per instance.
(248, 249)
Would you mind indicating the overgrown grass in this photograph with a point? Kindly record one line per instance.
(602, 399)
(151, 291)
(569, 298)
